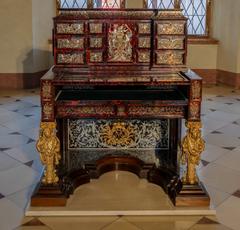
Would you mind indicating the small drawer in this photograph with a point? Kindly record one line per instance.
(95, 28)
(170, 42)
(144, 42)
(144, 28)
(143, 56)
(73, 28)
(170, 58)
(70, 43)
(170, 28)
(95, 42)
(70, 58)
(96, 57)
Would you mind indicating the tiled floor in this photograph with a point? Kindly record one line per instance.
(20, 167)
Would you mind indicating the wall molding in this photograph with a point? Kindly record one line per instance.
(215, 76)
(20, 80)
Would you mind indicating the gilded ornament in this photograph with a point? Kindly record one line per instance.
(71, 43)
(170, 58)
(170, 43)
(167, 111)
(144, 28)
(192, 147)
(75, 58)
(196, 89)
(170, 28)
(47, 111)
(73, 28)
(194, 110)
(48, 147)
(96, 57)
(96, 28)
(119, 41)
(143, 134)
(144, 42)
(144, 56)
(46, 90)
(119, 134)
(95, 42)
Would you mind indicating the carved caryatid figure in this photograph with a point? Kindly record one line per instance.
(119, 41)
(48, 146)
(192, 147)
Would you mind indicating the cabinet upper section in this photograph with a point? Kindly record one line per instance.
(142, 39)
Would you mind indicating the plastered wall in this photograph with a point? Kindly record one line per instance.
(16, 36)
(226, 28)
(26, 25)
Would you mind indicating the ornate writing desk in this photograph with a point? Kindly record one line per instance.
(116, 97)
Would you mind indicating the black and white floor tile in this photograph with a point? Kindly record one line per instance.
(20, 167)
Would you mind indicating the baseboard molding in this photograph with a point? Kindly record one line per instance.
(209, 75)
(20, 80)
(228, 78)
(214, 76)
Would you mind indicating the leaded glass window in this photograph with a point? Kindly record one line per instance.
(194, 10)
(67, 4)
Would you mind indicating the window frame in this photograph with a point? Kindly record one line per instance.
(205, 38)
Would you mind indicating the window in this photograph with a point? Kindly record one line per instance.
(195, 10)
(81, 4)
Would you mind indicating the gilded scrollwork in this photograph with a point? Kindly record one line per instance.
(192, 147)
(119, 41)
(74, 58)
(144, 56)
(46, 90)
(47, 111)
(170, 58)
(170, 43)
(95, 42)
(96, 28)
(48, 147)
(73, 28)
(144, 28)
(71, 43)
(96, 57)
(144, 42)
(170, 28)
(196, 90)
(194, 110)
(118, 134)
(156, 111)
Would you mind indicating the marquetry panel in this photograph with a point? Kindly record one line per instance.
(170, 42)
(73, 28)
(96, 57)
(144, 28)
(144, 42)
(169, 58)
(71, 58)
(71, 43)
(144, 56)
(95, 28)
(170, 27)
(96, 42)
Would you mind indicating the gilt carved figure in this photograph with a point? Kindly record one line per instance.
(48, 146)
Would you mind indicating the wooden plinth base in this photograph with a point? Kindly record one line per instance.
(192, 196)
(49, 196)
